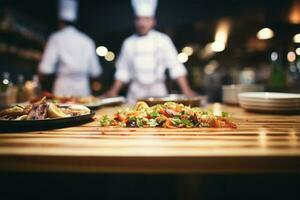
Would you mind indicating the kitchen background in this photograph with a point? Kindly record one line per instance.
(220, 42)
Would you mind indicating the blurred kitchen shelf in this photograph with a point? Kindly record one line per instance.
(14, 22)
(21, 36)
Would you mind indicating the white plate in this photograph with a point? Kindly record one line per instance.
(270, 100)
(268, 109)
(270, 106)
(258, 108)
(270, 96)
(276, 101)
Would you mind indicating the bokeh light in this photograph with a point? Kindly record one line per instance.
(182, 57)
(101, 51)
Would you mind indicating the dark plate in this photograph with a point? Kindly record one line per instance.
(46, 124)
(198, 101)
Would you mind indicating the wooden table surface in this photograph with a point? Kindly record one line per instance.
(261, 144)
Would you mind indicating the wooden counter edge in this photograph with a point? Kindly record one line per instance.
(160, 165)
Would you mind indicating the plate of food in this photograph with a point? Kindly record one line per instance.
(43, 114)
(167, 115)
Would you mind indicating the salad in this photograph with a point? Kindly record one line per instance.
(167, 115)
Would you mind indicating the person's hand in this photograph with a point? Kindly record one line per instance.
(190, 93)
(114, 90)
(185, 87)
(110, 93)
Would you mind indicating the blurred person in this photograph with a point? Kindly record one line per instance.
(145, 56)
(70, 55)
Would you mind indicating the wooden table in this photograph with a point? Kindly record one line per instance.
(261, 143)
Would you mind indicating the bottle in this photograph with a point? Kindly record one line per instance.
(37, 86)
(5, 82)
(298, 67)
(7, 92)
(293, 71)
(20, 89)
(277, 79)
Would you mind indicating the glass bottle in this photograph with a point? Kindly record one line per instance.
(277, 79)
(5, 82)
(298, 67)
(20, 88)
(37, 86)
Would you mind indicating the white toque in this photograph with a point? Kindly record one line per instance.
(144, 8)
(67, 10)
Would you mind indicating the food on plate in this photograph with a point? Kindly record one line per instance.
(167, 115)
(56, 112)
(42, 110)
(80, 108)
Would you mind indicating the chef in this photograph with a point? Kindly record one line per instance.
(145, 56)
(70, 54)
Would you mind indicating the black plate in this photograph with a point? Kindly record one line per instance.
(198, 101)
(45, 124)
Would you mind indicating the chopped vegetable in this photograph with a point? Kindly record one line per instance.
(225, 114)
(105, 121)
(168, 115)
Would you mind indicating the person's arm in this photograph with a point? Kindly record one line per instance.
(94, 68)
(115, 89)
(46, 67)
(185, 87)
(178, 71)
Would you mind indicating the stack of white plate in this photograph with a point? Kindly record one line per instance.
(270, 102)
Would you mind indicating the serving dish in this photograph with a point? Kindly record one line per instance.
(198, 101)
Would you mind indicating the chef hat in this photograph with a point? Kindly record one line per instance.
(67, 10)
(144, 8)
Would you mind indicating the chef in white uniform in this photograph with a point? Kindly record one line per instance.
(145, 56)
(71, 55)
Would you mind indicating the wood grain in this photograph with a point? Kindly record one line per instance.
(260, 144)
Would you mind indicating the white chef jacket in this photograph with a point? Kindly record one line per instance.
(71, 55)
(143, 60)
